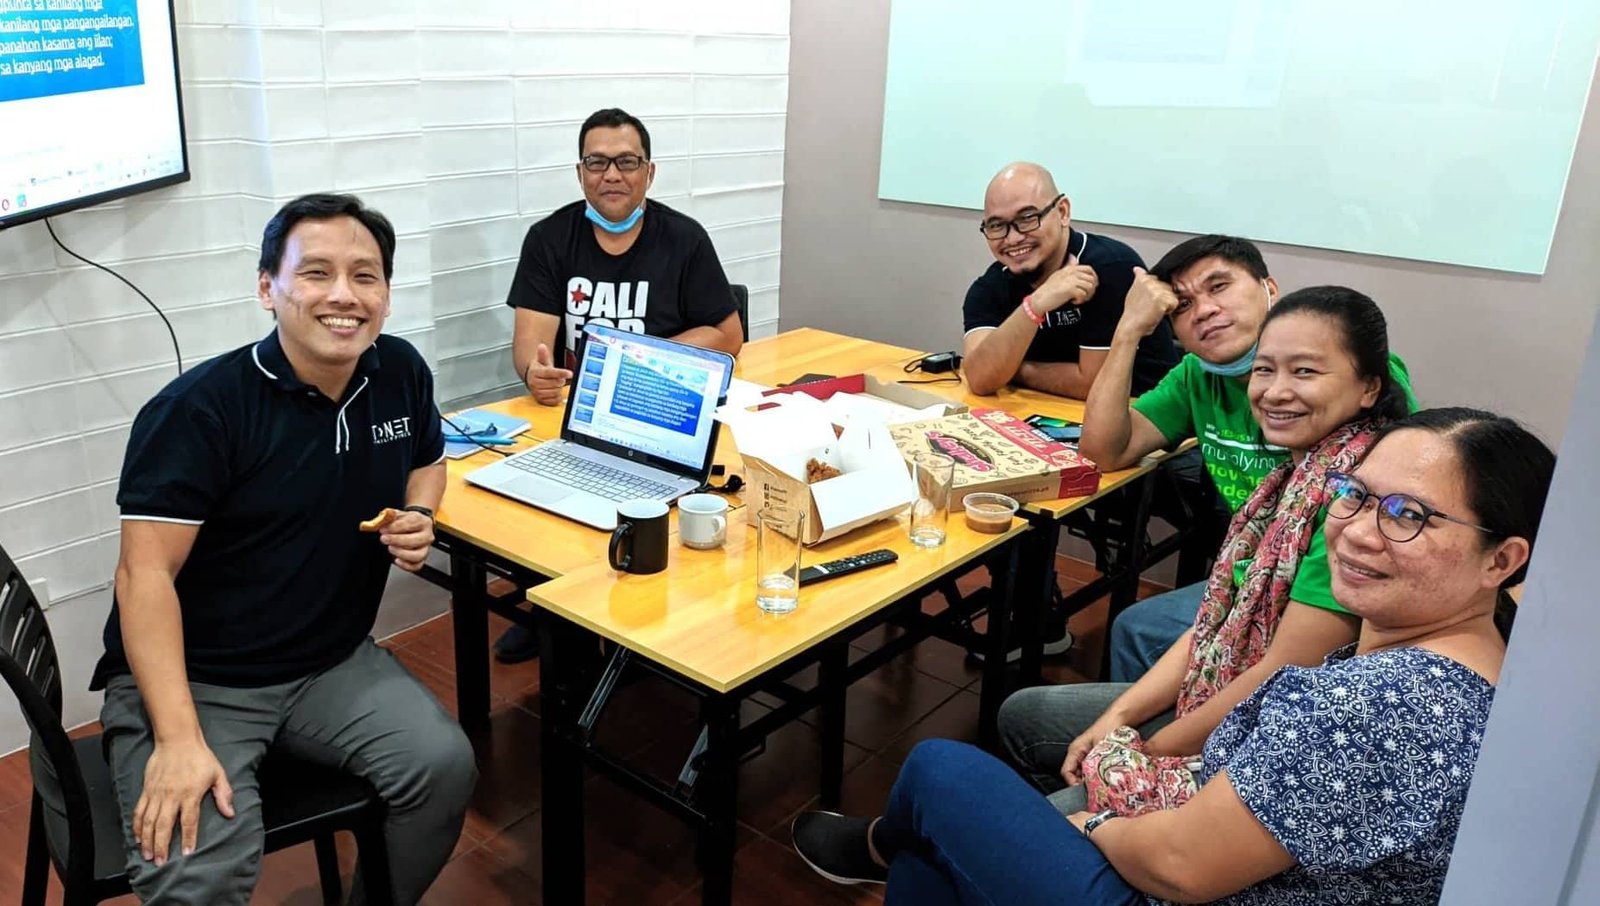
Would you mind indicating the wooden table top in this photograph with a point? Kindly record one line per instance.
(699, 617)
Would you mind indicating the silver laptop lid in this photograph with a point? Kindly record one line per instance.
(647, 399)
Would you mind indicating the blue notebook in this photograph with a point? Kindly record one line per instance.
(483, 424)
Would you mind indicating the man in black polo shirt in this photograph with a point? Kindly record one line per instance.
(617, 260)
(1044, 313)
(246, 590)
(613, 259)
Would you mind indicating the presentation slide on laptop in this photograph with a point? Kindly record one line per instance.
(655, 400)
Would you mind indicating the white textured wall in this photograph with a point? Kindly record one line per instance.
(457, 120)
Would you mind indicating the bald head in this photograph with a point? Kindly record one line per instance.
(1021, 179)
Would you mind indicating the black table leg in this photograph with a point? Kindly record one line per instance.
(469, 615)
(1036, 575)
(832, 679)
(1126, 589)
(997, 645)
(717, 790)
(561, 765)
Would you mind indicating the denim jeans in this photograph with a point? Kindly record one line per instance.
(1038, 724)
(962, 828)
(1141, 634)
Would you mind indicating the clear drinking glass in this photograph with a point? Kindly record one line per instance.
(933, 473)
(778, 534)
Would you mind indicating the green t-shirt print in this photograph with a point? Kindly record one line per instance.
(1215, 410)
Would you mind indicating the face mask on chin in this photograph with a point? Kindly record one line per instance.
(612, 226)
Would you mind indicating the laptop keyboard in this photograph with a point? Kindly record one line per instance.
(604, 481)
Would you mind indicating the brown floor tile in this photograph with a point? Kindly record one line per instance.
(508, 772)
(633, 853)
(957, 719)
(767, 873)
(479, 878)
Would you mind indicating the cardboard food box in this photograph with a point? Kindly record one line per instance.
(840, 424)
(997, 452)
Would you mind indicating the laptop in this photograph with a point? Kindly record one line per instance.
(638, 424)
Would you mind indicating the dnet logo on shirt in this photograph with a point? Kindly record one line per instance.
(620, 305)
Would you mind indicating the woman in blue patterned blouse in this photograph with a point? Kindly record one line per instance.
(1330, 786)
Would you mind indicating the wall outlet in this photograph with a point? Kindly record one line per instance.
(41, 591)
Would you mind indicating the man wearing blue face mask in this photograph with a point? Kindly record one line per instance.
(617, 260)
(1215, 292)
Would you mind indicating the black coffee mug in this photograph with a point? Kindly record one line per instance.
(639, 542)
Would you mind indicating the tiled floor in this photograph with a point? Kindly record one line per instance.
(637, 855)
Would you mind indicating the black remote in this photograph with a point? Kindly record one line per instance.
(835, 568)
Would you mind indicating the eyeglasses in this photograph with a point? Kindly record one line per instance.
(1026, 222)
(599, 163)
(1401, 517)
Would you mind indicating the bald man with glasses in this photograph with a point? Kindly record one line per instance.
(1043, 315)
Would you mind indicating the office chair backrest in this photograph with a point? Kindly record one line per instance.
(741, 296)
(29, 666)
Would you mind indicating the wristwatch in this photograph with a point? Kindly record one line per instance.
(419, 508)
(1097, 819)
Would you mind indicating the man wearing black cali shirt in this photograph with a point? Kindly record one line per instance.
(1043, 314)
(613, 259)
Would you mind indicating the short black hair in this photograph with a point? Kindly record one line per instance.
(323, 206)
(1365, 336)
(611, 117)
(1507, 472)
(1232, 249)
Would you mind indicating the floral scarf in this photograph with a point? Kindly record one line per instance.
(1236, 622)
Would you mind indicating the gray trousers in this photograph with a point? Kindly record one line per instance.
(367, 715)
(1039, 723)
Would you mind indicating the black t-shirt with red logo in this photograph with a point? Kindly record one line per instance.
(668, 282)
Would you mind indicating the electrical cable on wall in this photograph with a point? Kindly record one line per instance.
(177, 352)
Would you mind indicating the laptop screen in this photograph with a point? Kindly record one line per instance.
(649, 395)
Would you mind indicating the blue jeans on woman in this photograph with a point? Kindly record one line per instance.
(962, 828)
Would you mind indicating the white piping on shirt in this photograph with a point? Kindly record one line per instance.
(134, 517)
(343, 427)
(255, 353)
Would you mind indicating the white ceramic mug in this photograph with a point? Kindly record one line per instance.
(702, 521)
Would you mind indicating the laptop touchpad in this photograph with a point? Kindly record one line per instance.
(538, 490)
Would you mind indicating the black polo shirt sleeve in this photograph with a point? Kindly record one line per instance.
(176, 467)
(704, 294)
(988, 303)
(535, 285)
(1102, 312)
(429, 436)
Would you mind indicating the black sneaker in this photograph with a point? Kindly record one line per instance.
(835, 846)
(516, 645)
(1058, 642)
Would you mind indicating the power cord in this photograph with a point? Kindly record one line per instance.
(462, 433)
(177, 352)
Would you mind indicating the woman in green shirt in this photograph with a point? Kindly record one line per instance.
(1320, 385)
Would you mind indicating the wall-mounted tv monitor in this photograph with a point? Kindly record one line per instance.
(90, 108)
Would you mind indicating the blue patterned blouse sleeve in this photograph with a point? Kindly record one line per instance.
(1362, 761)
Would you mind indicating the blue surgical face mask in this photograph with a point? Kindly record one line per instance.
(1241, 366)
(612, 226)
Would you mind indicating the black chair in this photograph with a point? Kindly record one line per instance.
(741, 296)
(301, 802)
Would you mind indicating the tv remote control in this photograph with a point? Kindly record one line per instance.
(835, 568)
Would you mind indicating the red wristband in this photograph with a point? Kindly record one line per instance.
(1027, 309)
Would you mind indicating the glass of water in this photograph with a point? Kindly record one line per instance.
(778, 534)
(933, 473)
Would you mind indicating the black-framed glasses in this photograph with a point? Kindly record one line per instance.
(1401, 517)
(599, 163)
(1025, 223)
